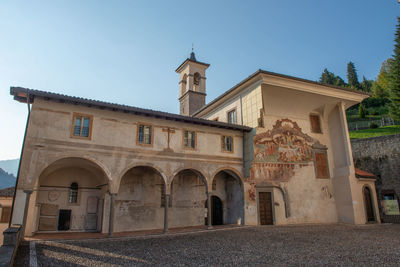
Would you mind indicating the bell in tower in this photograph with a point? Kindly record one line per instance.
(192, 85)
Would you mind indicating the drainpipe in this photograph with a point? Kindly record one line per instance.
(20, 159)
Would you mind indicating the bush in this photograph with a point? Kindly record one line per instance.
(373, 125)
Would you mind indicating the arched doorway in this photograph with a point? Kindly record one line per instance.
(187, 199)
(227, 186)
(217, 211)
(139, 204)
(70, 196)
(369, 208)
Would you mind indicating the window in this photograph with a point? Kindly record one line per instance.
(145, 134)
(389, 197)
(321, 164)
(189, 139)
(315, 124)
(232, 116)
(5, 214)
(73, 193)
(82, 125)
(227, 143)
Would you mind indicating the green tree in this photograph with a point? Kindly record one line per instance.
(366, 85)
(352, 78)
(362, 112)
(328, 77)
(394, 77)
(380, 86)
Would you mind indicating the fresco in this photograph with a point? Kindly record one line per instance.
(278, 152)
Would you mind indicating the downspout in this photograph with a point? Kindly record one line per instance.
(20, 159)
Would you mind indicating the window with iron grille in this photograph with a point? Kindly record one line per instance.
(144, 134)
(232, 116)
(189, 139)
(82, 125)
(73, 193)
(227, 143)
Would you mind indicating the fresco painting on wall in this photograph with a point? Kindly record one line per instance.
(278, 152)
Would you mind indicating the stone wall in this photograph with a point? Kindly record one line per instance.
(380, 156)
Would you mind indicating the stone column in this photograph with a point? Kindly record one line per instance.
(111, 218)
(166, 204)
(209, 226)
(27, 198)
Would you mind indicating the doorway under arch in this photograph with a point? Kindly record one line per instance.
(369, 206)
(228, 187)
(70, 196)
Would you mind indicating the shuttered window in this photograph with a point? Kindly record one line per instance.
(5, 214)
(315, 124)
(321, 163)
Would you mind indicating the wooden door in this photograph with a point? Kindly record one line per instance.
(265, 208)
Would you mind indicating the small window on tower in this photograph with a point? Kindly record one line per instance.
(196, 81)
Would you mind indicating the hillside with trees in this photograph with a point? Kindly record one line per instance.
(6, 179)
(383, 107)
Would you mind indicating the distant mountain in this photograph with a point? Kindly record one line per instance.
(10, 166)
(6, 179)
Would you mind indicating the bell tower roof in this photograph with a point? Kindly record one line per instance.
(193, 59)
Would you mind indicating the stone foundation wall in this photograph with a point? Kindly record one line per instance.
(380, 156)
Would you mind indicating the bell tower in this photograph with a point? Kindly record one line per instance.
(192, 85)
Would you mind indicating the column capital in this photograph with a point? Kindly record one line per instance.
(28, 191)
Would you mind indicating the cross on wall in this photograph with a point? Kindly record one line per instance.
(169, 131)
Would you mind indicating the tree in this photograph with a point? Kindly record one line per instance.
(366, 85)
(328, 77)
(352, 78)
(394, 77)
(380, 87)
(362, 112)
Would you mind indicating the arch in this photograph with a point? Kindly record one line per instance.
(70, 188)
(199, 173)
(141, 164)
(183, 84)
(369, 207)
(99, 164)
(196, 82)
(230, 171)
(230, 189)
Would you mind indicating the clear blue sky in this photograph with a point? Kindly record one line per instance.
(127, 51)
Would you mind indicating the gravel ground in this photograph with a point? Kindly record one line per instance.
(315, 245)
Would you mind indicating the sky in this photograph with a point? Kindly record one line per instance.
(126, 52)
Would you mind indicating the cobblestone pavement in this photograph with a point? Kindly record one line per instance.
(345, 245)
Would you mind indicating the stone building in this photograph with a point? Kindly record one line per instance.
(381, 156)
(274, 149)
